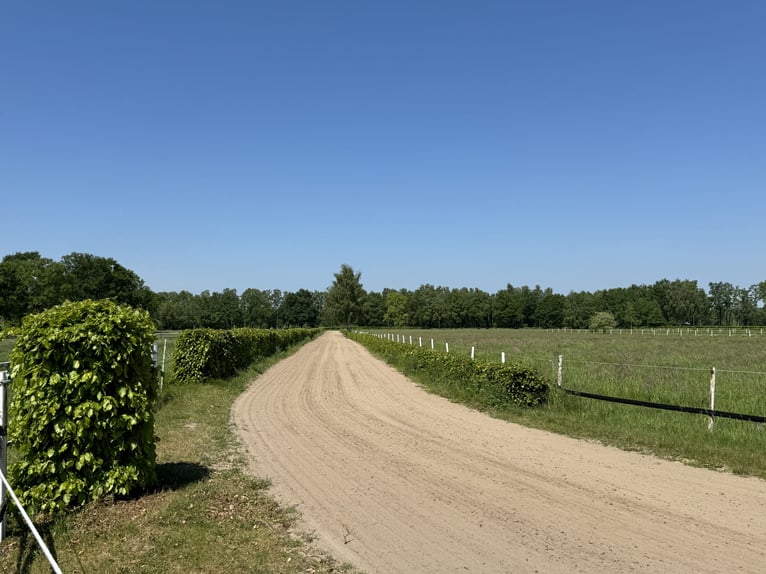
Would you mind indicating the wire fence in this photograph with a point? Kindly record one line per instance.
(676, 331)
(738, 393)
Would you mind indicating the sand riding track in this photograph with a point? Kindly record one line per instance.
(394, 479)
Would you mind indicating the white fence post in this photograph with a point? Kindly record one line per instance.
(559, 376)
(162, 373)
(420, 341)
(473, 352)
(432, 344)
(502, 357)
(712, 398)
(446, 346)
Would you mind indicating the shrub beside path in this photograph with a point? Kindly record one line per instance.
(394, 479)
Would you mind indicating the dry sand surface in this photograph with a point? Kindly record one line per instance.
(394, 479)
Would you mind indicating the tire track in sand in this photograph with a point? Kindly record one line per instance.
(425, 485)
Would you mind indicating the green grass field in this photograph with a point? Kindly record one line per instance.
(166, 344)
(5, 348)
(668, 367)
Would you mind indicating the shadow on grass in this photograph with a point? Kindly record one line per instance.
(175, 475)
(29, 549)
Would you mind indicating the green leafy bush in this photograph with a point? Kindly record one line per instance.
(478, 382)
(202, 354)
(81, 415)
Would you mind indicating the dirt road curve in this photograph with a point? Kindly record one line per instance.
(396, 480)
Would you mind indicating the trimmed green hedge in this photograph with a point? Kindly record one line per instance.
(477, 382)
(202, 354)
(81, 415)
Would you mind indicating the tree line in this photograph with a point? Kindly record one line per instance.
(30, 283)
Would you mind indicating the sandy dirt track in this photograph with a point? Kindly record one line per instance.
(393, 479)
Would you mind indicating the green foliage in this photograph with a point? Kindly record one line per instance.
(601, 321)
(481, 382)
(81, 415)
(301, 309)
(345, 298)
(30, 283)
(203, 354)
(396, 309)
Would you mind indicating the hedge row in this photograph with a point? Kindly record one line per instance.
(81, 416)
(202, 354)
(476, 382)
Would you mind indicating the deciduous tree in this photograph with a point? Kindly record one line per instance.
(601, 321)
(343, 303)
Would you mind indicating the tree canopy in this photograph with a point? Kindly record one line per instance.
(30, 283)
(345, 298)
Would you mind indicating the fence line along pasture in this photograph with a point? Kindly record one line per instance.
(676, 388)
(680, 331)
(689, 392)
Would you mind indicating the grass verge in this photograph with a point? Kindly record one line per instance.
(205, 514)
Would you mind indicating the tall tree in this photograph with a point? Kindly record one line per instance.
(29, 283)
(343, 303)
(578, 310)
(257, 310)
(373, 309)
(396, 309)
(722, 300)
(177, 310)
(508, 308)
(681, 301)
(89, 276)
(550, 310)
(300, 309)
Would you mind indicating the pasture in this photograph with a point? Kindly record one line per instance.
(665, 366)
(6, 344)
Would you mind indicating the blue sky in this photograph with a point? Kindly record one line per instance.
(578, 145)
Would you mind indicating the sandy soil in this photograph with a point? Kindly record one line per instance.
(393, 479)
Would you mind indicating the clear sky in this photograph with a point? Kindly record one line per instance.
(574, 144)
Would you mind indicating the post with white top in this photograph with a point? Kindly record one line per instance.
(446, 346)
(162, 372)
(712, 399)
(560, 370)
(502, 357)
(473, 352)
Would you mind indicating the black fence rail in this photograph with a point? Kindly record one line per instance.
(667, 407)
